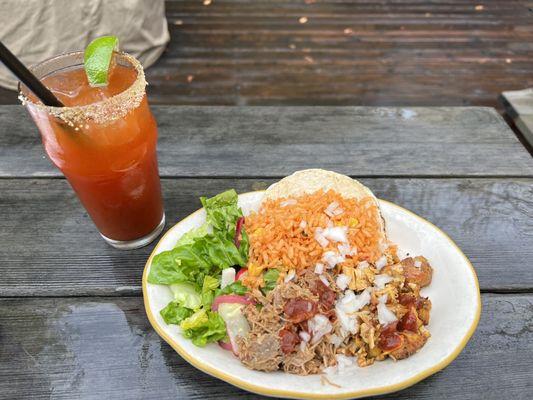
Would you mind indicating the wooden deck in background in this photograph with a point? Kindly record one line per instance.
(360, 52)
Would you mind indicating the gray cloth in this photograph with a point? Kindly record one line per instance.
(35, 30)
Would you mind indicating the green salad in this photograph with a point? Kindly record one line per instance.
(197, 270)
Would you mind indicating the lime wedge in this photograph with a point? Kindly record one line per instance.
(97, 59)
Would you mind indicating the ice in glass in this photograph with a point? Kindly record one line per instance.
(104, 142)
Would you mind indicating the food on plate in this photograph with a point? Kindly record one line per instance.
(306, 283)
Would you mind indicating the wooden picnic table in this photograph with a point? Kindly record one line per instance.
(72, 321)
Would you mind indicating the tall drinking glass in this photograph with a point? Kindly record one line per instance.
(104, 142)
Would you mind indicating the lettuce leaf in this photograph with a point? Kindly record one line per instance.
(198, 252)
(244, 245)
(235, 288)
(196, 320)
(222, 211)
(204, 327)
(186, 295)
(173, 313)
(206, 255)
(166, 270)
(210, 283)
(270, 278)
(193, 267)
(208, 290)
(188, 237)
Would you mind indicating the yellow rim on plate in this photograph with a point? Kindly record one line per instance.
(292, 394)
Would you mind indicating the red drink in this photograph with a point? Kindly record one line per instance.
(104, 142)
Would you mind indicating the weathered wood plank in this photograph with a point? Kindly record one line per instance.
(438, 53)
(520, 102)
(519, 106)
(411, 53)
(51, 248)
(104, 348)
(275, 141)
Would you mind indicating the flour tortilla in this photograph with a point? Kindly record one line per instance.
(311, 180)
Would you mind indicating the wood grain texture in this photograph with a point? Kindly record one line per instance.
(519, 102)
(275, 141)
(51, 248)
(411, 52)
(104, 348)
(519, 106)
(351, 52)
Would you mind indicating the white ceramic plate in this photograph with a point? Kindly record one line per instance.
(454, 293)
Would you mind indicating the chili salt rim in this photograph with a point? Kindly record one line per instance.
(104, 111)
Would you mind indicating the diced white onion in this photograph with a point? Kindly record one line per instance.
(335, 340)
(381, 262)
(324, 280)
(304, 336)
(336, 234)
(347, 306)
(346, 250)
(342, 281)
(228, 277)
(288, 202)
(333, 205)
(290, 276)
(331, 208)
(319, 268)
(362, 299)
(343, 361)
(319, 326)
(319, 237)
(381, 280)
(338, 211)
(303, 224)
(351, 302)
(418, 264)
(331, 258)
(362, 265)
(348, 297)
(385, 316)
(348, 322)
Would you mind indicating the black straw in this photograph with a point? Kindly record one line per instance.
(26, 77)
